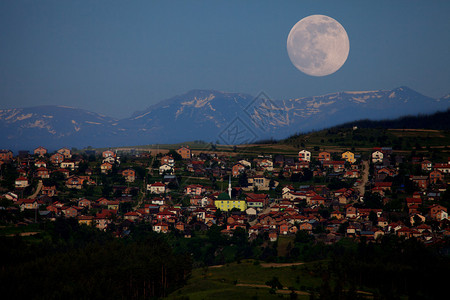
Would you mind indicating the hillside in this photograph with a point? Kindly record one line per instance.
(403, 133)
(436, 121)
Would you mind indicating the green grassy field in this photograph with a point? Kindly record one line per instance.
(24, 230)
(283, 245)
(246, 280)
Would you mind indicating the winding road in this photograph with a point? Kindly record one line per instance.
(38, 189)
(364, 178)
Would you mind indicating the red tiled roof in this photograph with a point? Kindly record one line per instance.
(383, 184)
(132, 213)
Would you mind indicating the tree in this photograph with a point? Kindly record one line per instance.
(218, 214)
(82, 167)
(373, 217)
(336, 184)
(274, 283)
(140, 171)
(271, 183)
(343, 228)
(319, 229)
(125, 207)
(156, 163)
(417, 220)
(303, 236)
(307, 175)
(175, 155)
(293, 295)
(295, 177)
(107, 190)
(325, 289)
(372, 200)
(325, 213)
(243, 180)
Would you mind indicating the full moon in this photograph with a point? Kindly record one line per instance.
(318, 45)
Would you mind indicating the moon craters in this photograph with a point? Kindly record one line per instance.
(318, 45)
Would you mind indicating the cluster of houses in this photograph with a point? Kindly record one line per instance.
(263, 202)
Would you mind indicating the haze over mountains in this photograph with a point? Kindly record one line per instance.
(212, 116)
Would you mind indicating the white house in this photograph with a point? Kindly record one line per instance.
(251, 211)
(165, 169)
(68, 165)
(206, 201)
(109, 159)
(266, 164)
(304, 155)
(161, 227)
(377, 157)
(158, 201)
(261, 182)
(11, 196)
(287, 189)
(105, 168)
(245, 163)
(156, 188)
(168, 160)
(40, 164)
(21, 182)
(442, 215)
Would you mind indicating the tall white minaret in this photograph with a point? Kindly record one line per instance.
(229, 186)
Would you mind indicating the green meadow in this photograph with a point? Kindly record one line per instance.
(247, 280)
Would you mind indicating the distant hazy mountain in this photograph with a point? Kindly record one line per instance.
(51, 126)
(216, 116)
(229, 118)
(318, 112)
(196, 115)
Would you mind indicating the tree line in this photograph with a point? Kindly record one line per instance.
(77, 262)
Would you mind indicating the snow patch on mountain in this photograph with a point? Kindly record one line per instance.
(361, 99)
(23, 117)
(210, 106)
(198, 102)
(37, 124)
(141, 116)
(179, 112)
(360, 92)
(315, 104)
(12, 115)
(76, 126)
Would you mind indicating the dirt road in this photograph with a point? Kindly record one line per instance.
(38, 189)
(279, 265)
(285, 290)
(364, 178)
(265, 211)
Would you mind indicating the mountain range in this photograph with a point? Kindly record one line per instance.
(208, 115)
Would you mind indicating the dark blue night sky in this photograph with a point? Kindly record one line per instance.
(116, 57)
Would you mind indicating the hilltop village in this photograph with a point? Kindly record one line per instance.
(328, 195)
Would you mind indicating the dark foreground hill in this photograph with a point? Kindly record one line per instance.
(436, 121)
